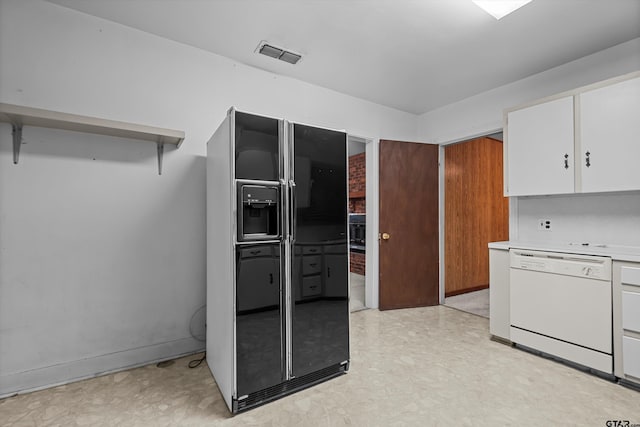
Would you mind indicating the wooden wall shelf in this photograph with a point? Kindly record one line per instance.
(20, 116)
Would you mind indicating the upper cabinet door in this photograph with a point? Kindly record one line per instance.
(540, 149)
(610, 137)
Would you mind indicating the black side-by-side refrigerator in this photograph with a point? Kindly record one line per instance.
(277, 257)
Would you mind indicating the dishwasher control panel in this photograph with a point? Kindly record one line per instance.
(588, 266)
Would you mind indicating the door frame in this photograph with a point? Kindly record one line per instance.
(513, 203)
(372, 149)
(371, 201)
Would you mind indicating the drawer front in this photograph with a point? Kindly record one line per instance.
(631, 311)
(311, 250)
(255, 251)
(335, 249)
(311, 286)
(311, 264)
(631, 356)
(630, 276)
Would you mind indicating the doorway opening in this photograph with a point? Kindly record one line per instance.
(475, 213)
(357, 222)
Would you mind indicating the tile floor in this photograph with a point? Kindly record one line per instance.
(432, 366)
(476, 302)
(356, 292)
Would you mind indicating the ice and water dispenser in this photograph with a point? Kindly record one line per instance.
(258, 212)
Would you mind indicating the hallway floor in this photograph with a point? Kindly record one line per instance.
(476, 302)
(417, 367)
(356, 292)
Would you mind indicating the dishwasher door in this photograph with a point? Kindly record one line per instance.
(562, 303)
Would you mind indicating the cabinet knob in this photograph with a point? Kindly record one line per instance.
(566, 161)
(587, 159)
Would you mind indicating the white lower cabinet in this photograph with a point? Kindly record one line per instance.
(631, 310)
(626, 320)
(624, 302)
(631, 356)
(499, 293)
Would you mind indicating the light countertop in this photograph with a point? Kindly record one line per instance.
(617, 253)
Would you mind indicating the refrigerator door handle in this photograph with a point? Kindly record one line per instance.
(284, 221)
(292, 206)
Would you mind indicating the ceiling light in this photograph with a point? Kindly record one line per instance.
(500, 8)
(278, 53)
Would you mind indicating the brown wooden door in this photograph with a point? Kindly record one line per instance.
(476, 212)
(409, 216)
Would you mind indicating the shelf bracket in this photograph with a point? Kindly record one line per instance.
(16, 131)
(160, 154)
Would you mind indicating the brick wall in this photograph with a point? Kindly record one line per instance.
(357, 263)
(357, 205)
(357, 201)
(357, 183)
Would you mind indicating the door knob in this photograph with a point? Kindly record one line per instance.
(386, 236)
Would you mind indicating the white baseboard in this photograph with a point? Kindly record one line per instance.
(64, 373)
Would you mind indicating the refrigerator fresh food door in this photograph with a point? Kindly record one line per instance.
(319, 277)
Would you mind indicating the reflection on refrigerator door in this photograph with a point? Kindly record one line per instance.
(258, 326)
(320, 335)
(257, 147)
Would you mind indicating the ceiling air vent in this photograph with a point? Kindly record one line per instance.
(278, 53)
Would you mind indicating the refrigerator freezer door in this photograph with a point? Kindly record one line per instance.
(257, 147)
(259, 356)
(259, 205)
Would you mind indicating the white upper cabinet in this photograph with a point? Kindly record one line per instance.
(610, 137)
(540, 149)
(582, 141)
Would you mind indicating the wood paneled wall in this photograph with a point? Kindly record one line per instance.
(476, 212)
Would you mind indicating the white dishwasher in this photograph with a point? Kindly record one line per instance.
(560, 304)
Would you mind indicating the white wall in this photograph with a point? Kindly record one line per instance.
(102, 261)
(482, 114)
(611, 219)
